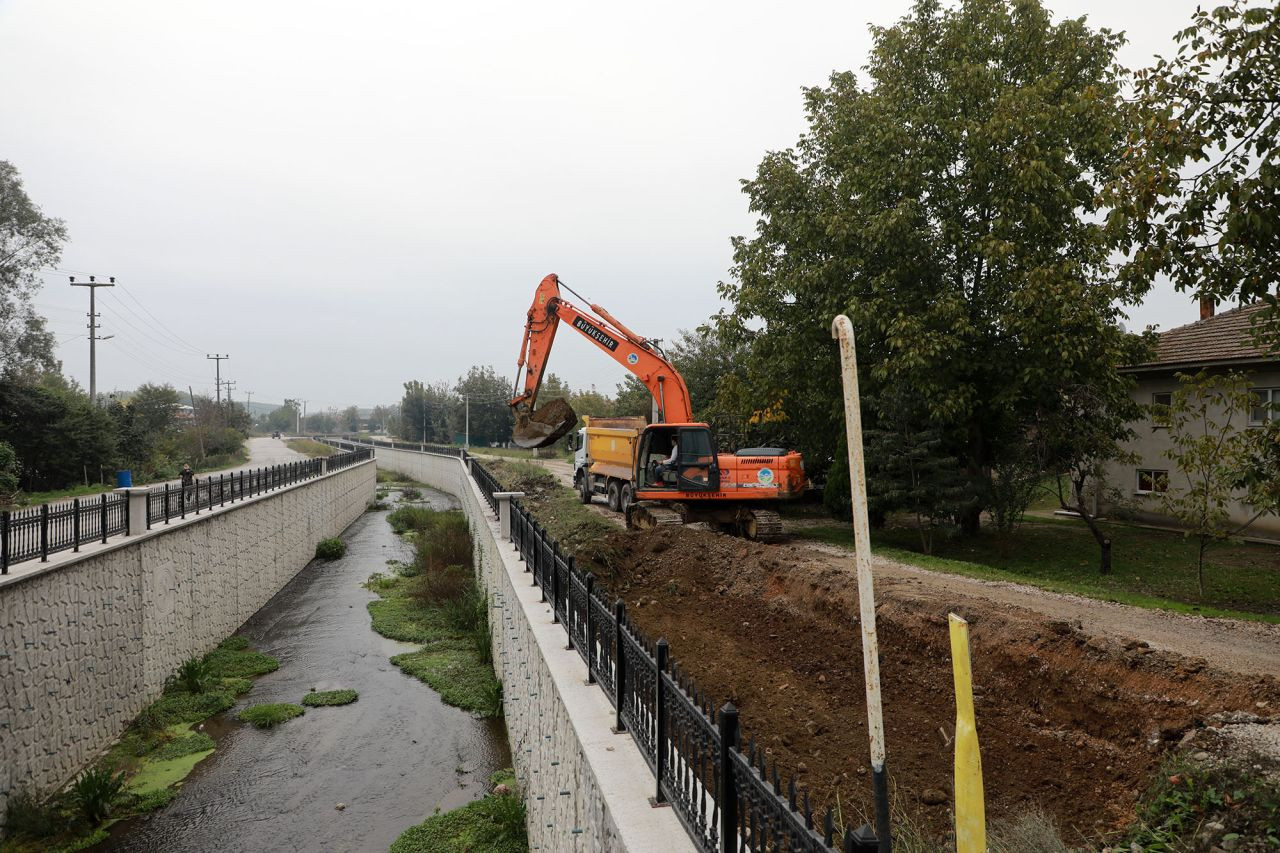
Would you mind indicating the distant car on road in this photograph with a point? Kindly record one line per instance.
(275, 434)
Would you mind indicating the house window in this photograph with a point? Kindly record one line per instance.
(1151, 481)
(1160, 403)
(1266, 406)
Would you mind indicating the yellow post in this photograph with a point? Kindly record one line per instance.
(971, 819)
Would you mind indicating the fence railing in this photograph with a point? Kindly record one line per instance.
(38, 531)
(727, 796)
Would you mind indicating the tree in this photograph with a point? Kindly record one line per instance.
(427, 412)
(145, 423)
(951, 207)
(908, 468)
(59, 437)
(10, 472)
(1076, 438)
(1219, 460)
(1201, 188)
(351, 419)
(283, 419)
(29, 242)
(491, 419)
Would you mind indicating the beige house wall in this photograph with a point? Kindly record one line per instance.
(1152, 443)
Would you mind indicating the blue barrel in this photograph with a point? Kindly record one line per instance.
(124, 479)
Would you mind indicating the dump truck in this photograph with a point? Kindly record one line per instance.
(663, 473)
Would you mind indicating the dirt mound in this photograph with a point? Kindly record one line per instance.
(1073, 723)
(544, 426)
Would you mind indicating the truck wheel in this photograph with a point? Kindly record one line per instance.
(624, 498)
(614, 496)
(584, 488)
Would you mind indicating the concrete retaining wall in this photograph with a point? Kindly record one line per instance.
(586, 788)
(87, 640)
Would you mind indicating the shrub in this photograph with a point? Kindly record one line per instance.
(194, 675)
(409, 493)
(330, 549)
(234, 643)
(30, 817)
(316, 699)
(443, 587)
(270, 714)
(93, 791)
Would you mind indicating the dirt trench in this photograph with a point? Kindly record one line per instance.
(1072, 723)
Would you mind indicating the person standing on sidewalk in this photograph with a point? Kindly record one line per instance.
(188, 480)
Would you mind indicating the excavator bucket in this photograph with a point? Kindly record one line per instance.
(544, 425)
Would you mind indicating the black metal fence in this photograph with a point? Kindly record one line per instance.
(728, 797)
(39, 531)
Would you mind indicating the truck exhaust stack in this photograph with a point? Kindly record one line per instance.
(544, 425)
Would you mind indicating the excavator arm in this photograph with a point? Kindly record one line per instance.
(640, 356)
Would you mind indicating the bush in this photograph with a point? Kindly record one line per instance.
(270, 714)
(30, 817)
(409, 493)
(316, 699)
(93, 791)
(194, 675)
(330, 549)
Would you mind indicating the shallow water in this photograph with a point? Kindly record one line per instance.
(393, 757)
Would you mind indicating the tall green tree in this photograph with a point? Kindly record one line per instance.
(1201, 185)
(427, 412)
(950, 204)
(487, 393)
(350, 420)
(29, 242)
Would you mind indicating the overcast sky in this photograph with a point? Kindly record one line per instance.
(346, 195)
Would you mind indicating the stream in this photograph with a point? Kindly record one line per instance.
(391, 758)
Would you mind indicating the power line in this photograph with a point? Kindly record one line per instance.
(160, 324)
(146, 334)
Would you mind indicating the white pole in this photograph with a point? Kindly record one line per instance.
(466, 440)
(842, 330)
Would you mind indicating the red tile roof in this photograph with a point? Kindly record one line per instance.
(1222, 337)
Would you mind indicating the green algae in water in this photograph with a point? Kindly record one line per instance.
(319, 698)
(159, 774)
(270, 714)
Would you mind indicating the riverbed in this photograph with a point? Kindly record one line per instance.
(348, 778)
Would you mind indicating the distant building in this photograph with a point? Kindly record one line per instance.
(185, 413)
(1221, 343)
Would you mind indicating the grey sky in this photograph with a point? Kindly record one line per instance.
(346, 195)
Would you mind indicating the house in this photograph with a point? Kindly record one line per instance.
(1220, 342)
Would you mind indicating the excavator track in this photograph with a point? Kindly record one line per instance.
(651, 516)
(762, 525)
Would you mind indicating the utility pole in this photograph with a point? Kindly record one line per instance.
(248, 401)
(466, 430)
(93, 284)
(217, 371)
(228, 384)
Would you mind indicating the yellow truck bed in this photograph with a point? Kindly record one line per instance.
(611, 445)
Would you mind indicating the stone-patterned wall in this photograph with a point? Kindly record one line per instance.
(585, 787)
(87, 641)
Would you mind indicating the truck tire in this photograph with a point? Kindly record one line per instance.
(624, 498)
(614, 495)
(584, 488)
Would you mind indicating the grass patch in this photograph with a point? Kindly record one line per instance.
(559, 510)
(434, 602)
(270, 714)
(310, 447)
(1189, 801)
(330, 549)
(495, 824)
(1151, 568)
(240, 663)
(325, 698)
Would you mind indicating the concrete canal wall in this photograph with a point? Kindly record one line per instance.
(87, 640)
(586, 788)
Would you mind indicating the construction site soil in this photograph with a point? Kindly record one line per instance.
(1074, 723)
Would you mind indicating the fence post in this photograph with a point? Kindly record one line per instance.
(197, 481)
(590, 581)
(44, 533)
(136, 519)
(222, 490)
(4, 542)
(182, 501)
(102, 517)
(555, 583)
(728, 787)
(75, 524)
(620, 665)
(166, 503)
(660, 712)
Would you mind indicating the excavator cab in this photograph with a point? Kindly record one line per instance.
(695, 468)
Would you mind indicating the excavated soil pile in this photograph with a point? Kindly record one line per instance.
(1072, 723)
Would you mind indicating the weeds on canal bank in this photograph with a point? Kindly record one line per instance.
(435, 601)
(495, 823)
(140, 771)
(330, 549)
(270, 714)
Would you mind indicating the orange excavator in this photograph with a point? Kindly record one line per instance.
(676, 475)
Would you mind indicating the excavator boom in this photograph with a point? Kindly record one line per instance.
(542, 427)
